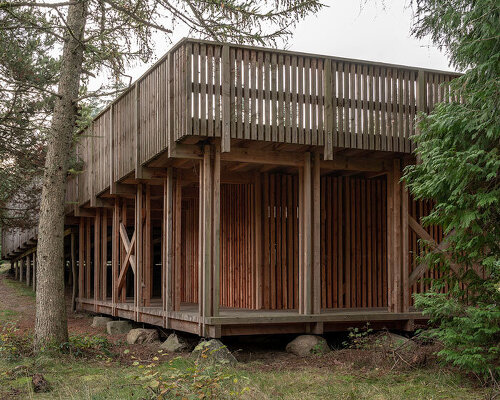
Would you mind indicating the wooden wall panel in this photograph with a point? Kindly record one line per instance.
(237, 284)
(189, 250)
(353, 245)
(280, 241)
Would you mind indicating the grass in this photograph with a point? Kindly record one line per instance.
(312, 383)
(20, 287)
(72, 378)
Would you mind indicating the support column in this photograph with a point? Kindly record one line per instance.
(258, 240)
(394, 239)
(34, 271)
(104, 254)
(21, 270)
(147, 285)
(28, 270)
(115, 254)
(176, 287)
(97, 256)
(139, 206)
(166, 247)
(16, 270)
(209, 232)
(73, 271)
(316, 234)
(305, 238)
(81, 261)
(87, 258)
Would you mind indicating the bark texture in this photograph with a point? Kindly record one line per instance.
(51, 323)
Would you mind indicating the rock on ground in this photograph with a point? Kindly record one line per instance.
(174, 344)
(117, 327)
(213, 352)
(40, 385)
(305, 345)
(141, 336)
(100, 321)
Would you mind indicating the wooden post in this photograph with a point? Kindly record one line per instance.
(178, 227)
(226, 100)
(167, 242)
(305, 266)
(329, 110)
(148, 264)
(205, 229)
(112, 151)
(21, 270)
(316, 235)
(104, 254)
(115, 254)
(28, 270)
(258, 240)
(81, 262)
(97, 256)
(405, 250)
(87, 258)
(216, 234)
(138, 250)
(73, 269)
(137, 124)
(170, 105)
(16, 270)
(34, 271)
(394, 237)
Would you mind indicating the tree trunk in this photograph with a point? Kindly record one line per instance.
(51, 324)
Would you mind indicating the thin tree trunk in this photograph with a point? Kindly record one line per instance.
(51, 324)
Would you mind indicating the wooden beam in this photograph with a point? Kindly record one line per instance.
(81, 261)
(405, 250)
(176, 288)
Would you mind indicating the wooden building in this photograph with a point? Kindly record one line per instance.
(241, 190)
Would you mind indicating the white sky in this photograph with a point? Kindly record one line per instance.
(375, 30)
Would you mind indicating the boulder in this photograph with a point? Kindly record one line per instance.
(141, 336)
(100, 321)
(306, 345)
(391, 341)
(213, 352)
(174, 344)
(117, 327)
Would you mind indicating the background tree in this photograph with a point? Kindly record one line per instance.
(27, 75)
(459, 146)
(96, 36)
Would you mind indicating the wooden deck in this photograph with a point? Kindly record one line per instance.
(241, 190)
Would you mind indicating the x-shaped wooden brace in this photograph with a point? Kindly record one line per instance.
(441, 247)
(129, 257)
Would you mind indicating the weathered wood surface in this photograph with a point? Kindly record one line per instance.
(237, 92)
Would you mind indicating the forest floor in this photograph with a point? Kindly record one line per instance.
(94, 365)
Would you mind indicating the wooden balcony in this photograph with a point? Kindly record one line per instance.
(202, 89)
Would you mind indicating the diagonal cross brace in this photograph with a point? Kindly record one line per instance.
(423, 266)
(129, 257)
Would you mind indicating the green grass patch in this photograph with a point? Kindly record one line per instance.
(312, 383)
(99, 379)
(8, 315)
(20, 287)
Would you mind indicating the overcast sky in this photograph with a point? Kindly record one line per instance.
(378, 31)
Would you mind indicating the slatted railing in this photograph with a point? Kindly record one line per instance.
(208, 89)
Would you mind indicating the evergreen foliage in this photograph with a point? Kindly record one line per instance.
(459, 148)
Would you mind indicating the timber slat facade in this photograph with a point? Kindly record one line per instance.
(238, 190)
